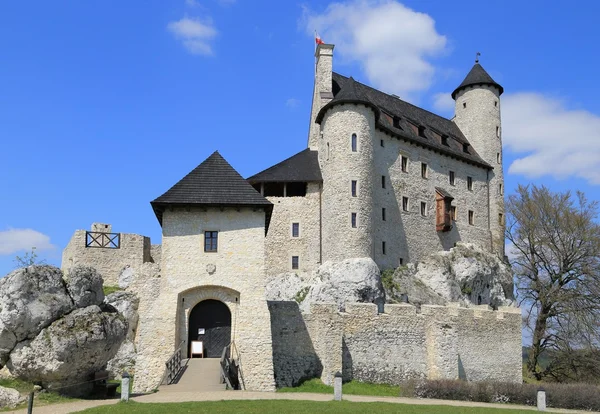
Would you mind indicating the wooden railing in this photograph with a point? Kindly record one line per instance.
(173, 366)
(230, 368)
(103, 240)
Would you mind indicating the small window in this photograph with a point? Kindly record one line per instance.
(354, 184)
(295, 229)
(451, 177)
(382, 143)
(498, 158)
(500, 189)
(210, 241)
(328, 151)
(471, 217)
(500, 218)
(423, 170)
(466, 148)
(354, 143)
(397, 122)
(423, 208)
(383, 214)
(495, 103)
(295, 262)
(422, 132)
(404, 163)
(453, 213)
(353, 220)
(498, 131)
(273, 189)
(401, 261)
(405, 203)
(383, 247)
(297, 189)
(464, 105)
(383, 181)
(445, 140)
(470, 183)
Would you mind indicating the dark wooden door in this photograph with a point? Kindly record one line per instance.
(214, 318)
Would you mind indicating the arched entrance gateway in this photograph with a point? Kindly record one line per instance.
(210, 322)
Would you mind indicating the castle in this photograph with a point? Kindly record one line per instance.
(380, 179)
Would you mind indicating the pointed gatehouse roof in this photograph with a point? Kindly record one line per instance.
(477, 76)
(212, 183)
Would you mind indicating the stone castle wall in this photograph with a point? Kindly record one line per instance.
(281, 246)
(134, 250)
(404, 342)
(409, 235)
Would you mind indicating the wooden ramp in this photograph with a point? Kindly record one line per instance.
(200, 375)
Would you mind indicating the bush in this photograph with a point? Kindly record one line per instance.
(573, 396)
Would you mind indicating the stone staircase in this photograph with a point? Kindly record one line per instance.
(200, 375)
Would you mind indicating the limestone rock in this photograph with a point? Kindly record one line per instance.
(464, 274)
(85, 286)
(126, 303)
(71, 349)
(351, 280)
(31, 298)
(9, 398)
(126, 277)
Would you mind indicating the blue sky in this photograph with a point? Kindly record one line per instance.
(105, 105)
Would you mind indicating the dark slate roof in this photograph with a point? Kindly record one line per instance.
(477, 76)
(387, 107)
(212, 183)
(304, 166)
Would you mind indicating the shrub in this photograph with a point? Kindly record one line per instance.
(573, 396)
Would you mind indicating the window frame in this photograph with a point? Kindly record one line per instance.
(354, 188)
(296, 226)
(471, 217)
(424, 170)
(296, 265)
(354, 143)
(405, 204)
(353, 220)
(404, 163)
(212, 235)
(423, 209)
(469, 183)
(452, 178)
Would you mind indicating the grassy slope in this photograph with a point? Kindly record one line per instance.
(352, 388)
(283, 406)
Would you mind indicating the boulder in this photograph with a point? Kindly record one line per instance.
(70, 350)
(126, 303)
(85, 286)
(465, 274)
(351, 280)
(31, 298)
(126, 277)
(9, 397)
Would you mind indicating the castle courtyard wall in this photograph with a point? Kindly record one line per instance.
(403, 342)
(109, 262)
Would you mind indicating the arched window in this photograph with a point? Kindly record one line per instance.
(354, 143)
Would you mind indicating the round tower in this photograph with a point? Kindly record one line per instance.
(477, 114)
(346, 160)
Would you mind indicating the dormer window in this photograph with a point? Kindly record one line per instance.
(397, 122)
(422, 132)
(445, 140)
(466, 148)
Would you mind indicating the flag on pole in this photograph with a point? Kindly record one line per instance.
(318, 39)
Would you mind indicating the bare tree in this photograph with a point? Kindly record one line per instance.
(556, 259)
(28, 259)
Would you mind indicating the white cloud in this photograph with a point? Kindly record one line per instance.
(292, 103)
(390, 41)
(15, 240)
(444, 103)
(553, 139)
(195, 34)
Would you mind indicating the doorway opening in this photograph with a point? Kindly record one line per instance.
(210, 322)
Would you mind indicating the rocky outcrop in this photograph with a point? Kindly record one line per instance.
(351, 280)
(71, 349)
(126, 303)
(465, 274)
(85, 286)
(31, 298)
(10, 398)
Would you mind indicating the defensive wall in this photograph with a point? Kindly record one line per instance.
(403, 342)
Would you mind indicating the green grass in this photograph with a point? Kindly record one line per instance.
(287, 406)
(24, 387)
(352, 388)
(110, 289)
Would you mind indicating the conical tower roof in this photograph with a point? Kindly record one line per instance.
(477, 76)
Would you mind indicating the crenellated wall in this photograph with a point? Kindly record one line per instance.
(476, 344)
